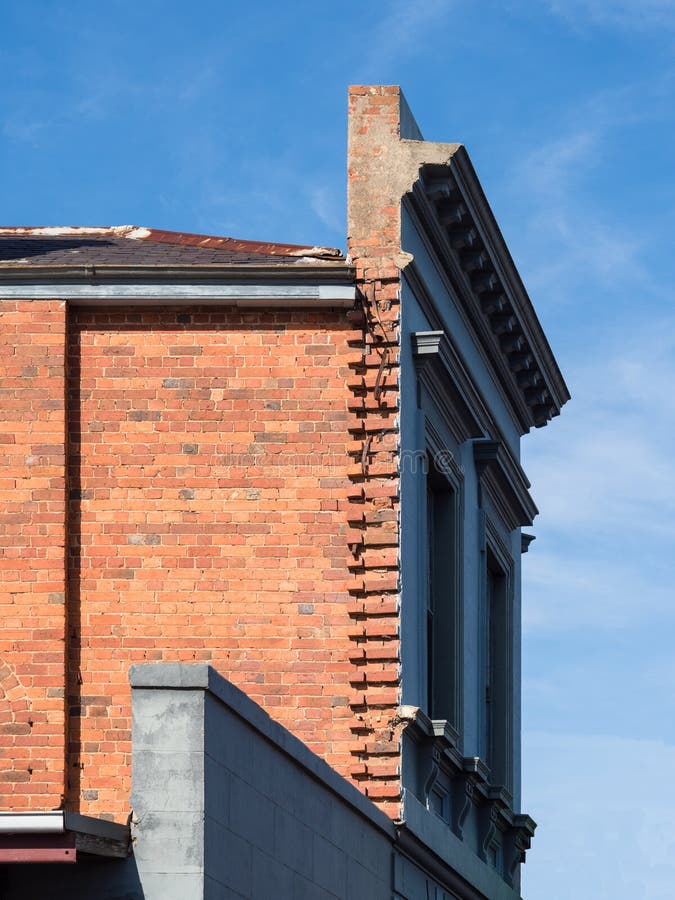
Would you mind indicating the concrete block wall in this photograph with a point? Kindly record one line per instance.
(227, 803)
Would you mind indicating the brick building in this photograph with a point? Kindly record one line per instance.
(293, 468)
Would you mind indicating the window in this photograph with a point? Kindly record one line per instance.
(497, 670)
(442, 601)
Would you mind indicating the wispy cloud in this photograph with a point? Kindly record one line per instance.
(609, 461)
(401, 32)
(328, 205)
(603, 474)
(604, 478)
(25, 130)
(574, 591)
(632, 14)
(568, 237)
(569, 242)
(550, 167)
(249, 197)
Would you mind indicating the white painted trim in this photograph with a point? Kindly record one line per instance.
(32, 823)
(250, 295)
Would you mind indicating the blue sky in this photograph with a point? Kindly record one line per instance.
(231, 119)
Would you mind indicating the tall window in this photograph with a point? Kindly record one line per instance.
(441, 607)
(497, 674)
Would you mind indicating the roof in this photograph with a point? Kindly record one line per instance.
(130, 245)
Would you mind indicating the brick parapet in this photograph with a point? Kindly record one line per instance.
(385, 155)
(374, 248)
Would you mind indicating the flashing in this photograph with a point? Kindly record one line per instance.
(32, 823)
(255, 295)
(57, 836)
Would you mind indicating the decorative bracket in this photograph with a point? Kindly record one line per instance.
(525, 541)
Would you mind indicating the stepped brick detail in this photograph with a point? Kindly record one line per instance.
(374, 246)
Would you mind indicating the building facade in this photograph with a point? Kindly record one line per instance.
(294, 468)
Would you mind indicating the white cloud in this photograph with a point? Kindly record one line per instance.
(633, 14)
(328, 206)
(606, 812)
(25, 130)
(566, 231)
(401, 32)
(603, 477)
(571, 590)
(569, 241)
(547, 169)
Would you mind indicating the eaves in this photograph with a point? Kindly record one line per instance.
(261, 286)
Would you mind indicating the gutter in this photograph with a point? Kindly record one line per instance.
(59, 836)
(250, 295)
(32, 823)
(323, 272)
(313, 286)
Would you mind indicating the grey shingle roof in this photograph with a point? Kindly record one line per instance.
(129, 245)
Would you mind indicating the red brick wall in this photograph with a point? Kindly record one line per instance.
(32, 554)
(233, 498)
(208, 521)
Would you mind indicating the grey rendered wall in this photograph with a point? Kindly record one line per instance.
(168, 786)
(270, 819)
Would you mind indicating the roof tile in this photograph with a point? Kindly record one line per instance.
(132, 245)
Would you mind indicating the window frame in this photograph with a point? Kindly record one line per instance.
(441, 466)
(497, 655)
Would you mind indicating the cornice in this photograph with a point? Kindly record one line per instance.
(493, 460)
(451, 206)
(442, 372)
(416, 281)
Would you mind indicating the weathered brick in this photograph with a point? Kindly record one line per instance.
(33, 525)
(252, 573)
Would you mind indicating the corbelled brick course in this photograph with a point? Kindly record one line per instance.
(374, 236)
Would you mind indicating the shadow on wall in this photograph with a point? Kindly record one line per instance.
(73, 640)
(95, 878)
